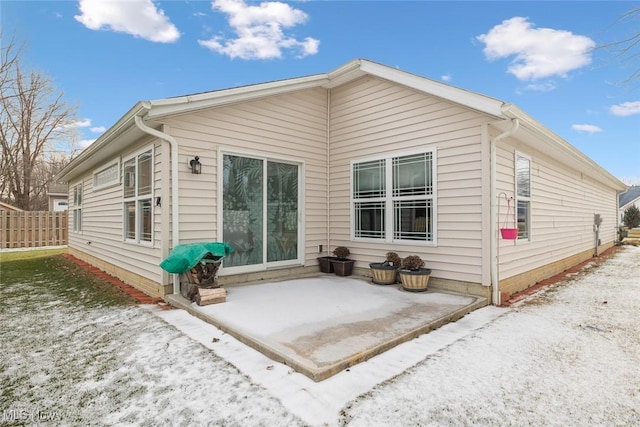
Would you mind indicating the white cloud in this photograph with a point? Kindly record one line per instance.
(140, 18)
(85, 143)
(82, 123)
(537, 52)
(625, 109)
(260, 31)
(98, 129)
(541, 87)
(586, 128)
(446, 77)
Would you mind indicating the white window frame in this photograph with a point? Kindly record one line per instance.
(265, 158)
(138, 199)
(519, 198)
(110, 183)
(389, 199)
(78, 199)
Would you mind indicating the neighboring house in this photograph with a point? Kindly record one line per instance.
(9, 208)
(366, 156)
(628, 198)
(58, 196)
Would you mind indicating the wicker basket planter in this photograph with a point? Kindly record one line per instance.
(383, 274)
(415, 280)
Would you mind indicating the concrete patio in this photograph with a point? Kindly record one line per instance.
(322, 325)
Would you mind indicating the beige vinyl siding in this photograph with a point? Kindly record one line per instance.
(102, 224)
(563, 202)
(371, 117)
(285, 127)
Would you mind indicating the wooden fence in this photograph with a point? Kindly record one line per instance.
(33, 229)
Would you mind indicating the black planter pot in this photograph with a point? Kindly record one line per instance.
(326, 264)
(343, 267)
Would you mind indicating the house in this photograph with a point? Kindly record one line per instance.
(366, 156)
(628, 198)
(58, 197)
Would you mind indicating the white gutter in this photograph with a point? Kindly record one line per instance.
(78, 165)
(495, 265)
(179, 105)
(175, 207)
(445, 91)
(570, 155)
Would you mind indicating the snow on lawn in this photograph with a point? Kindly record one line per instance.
(569, 356)
(84, 355)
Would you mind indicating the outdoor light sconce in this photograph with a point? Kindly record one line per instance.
(196, 166)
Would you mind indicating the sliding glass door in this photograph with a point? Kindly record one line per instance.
(260, 205)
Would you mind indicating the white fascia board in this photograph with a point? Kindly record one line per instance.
(567, 153)
(79, 164)
(184, 104)
(168, 106)
(346, 73)
(464, 97)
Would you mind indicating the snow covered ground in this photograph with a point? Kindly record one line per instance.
(568, 356)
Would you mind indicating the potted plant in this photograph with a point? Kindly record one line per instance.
(342, 265)
(414, 277)
(386, 272)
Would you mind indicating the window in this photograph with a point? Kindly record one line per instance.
(107, 176)
(138, 215)
(260, 212)
(393, 198)
(369, 194)
(523, 195)
(77, 208)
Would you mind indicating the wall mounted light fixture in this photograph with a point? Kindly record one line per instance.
(196, 166)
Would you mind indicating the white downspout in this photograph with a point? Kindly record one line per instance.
(328, 130)
(175, 211)
(495, 276)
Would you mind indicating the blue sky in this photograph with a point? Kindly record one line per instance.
(546, 57)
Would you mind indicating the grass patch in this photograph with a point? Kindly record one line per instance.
(54, 278)
(63, 326)
(30, 254)
(77, 347)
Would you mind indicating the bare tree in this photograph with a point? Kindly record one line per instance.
(33, 118)
(8, 58)
(44, 172)
(627, 50)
